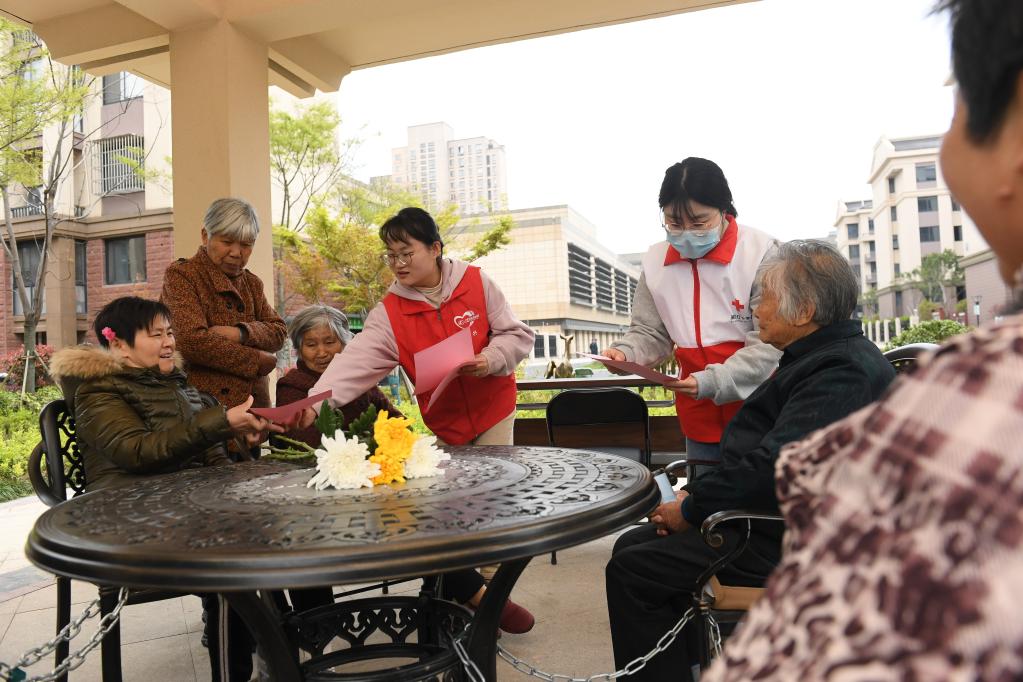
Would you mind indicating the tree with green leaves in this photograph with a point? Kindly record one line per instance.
(337, 257)
(868, 302)
(307, 158)
(938, 272)
(36, 95)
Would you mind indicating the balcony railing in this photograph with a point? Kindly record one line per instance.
(28, 210)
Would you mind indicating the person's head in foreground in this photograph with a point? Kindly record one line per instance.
(319, 332)
(695, 202)
(414, 247)
(137, 331)
(982, 154)
(805, 285)
(229, 231)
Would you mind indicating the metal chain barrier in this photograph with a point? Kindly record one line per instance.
(67, 633)
(715, 635)
(633, 666)
(471, 669)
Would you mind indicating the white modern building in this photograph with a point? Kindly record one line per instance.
(911, 214)
(558, 278)
(468, 172)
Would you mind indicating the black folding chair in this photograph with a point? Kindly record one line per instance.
(65, 469)
(611, 420)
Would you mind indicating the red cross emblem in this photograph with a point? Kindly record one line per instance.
(738, 306)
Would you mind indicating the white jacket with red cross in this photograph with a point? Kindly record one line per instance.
(702, 309)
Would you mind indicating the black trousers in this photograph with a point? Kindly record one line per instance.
(223, 623)
(460, 586)
(650, 581)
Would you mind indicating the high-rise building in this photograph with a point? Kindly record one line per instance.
(911, 215)
(469, 172)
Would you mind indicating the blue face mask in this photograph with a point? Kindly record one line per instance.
(692, 244)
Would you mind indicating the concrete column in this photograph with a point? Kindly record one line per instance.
(220, 133)
(877, 331)
(884, 331)
(898, 326)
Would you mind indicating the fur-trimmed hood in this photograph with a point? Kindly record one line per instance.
(91, 362)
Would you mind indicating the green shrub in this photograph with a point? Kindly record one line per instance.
(14, 451)
(931, 331)
(926, 309)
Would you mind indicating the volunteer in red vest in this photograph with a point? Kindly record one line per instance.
(695, 298)
(431, 299)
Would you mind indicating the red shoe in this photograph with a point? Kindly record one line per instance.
(515, 619)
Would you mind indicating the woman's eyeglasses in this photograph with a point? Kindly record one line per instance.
(390, 259)
(697, 227)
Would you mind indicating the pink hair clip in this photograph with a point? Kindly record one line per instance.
(108, 334)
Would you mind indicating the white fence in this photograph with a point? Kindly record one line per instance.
(883, 331)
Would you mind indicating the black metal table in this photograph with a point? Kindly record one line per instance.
(242, 528)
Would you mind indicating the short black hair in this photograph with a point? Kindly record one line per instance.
(411, 223)
(126, 316)
(987, 57)
(695, 179)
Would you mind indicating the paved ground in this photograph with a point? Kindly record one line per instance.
(161, 641)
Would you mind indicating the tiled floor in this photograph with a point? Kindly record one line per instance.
(161, 641)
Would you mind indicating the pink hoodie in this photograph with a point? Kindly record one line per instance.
(374, 351)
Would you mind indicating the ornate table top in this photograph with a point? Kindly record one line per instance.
(257, 525)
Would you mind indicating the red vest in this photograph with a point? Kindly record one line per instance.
(470, 405)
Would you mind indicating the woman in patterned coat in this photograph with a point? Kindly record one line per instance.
(903, 552)
(227, 330)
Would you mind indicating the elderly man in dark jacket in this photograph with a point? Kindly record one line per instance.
(828, 370)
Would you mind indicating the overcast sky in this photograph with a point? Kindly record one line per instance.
(788, 96)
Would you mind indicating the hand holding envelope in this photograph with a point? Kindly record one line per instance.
(292, 412)
(439, 365)
(633, 368)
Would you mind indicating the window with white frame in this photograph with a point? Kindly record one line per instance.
(119, 164)
(121, 86)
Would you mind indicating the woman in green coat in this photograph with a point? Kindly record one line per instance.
(135, 413)
(136, 416)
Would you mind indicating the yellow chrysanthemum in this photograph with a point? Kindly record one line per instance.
(391, 469)
(394, 444)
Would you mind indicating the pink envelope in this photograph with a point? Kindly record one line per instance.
(286, 412)
(632, 368)
(438, 365)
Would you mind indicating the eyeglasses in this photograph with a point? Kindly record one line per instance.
(390, 259)
(698, 228)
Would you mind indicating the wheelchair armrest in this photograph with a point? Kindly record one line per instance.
(679, 466)
(35, 475)
(709, 528)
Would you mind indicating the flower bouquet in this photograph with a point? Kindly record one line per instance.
(374, 449)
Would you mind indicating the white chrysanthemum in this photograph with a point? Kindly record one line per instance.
(342, 463)
(425, 458)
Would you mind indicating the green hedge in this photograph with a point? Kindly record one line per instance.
(19, 433)
(931, 331)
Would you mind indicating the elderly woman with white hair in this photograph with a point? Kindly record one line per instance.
(226, 329)
(318, 333)
(827, 371)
